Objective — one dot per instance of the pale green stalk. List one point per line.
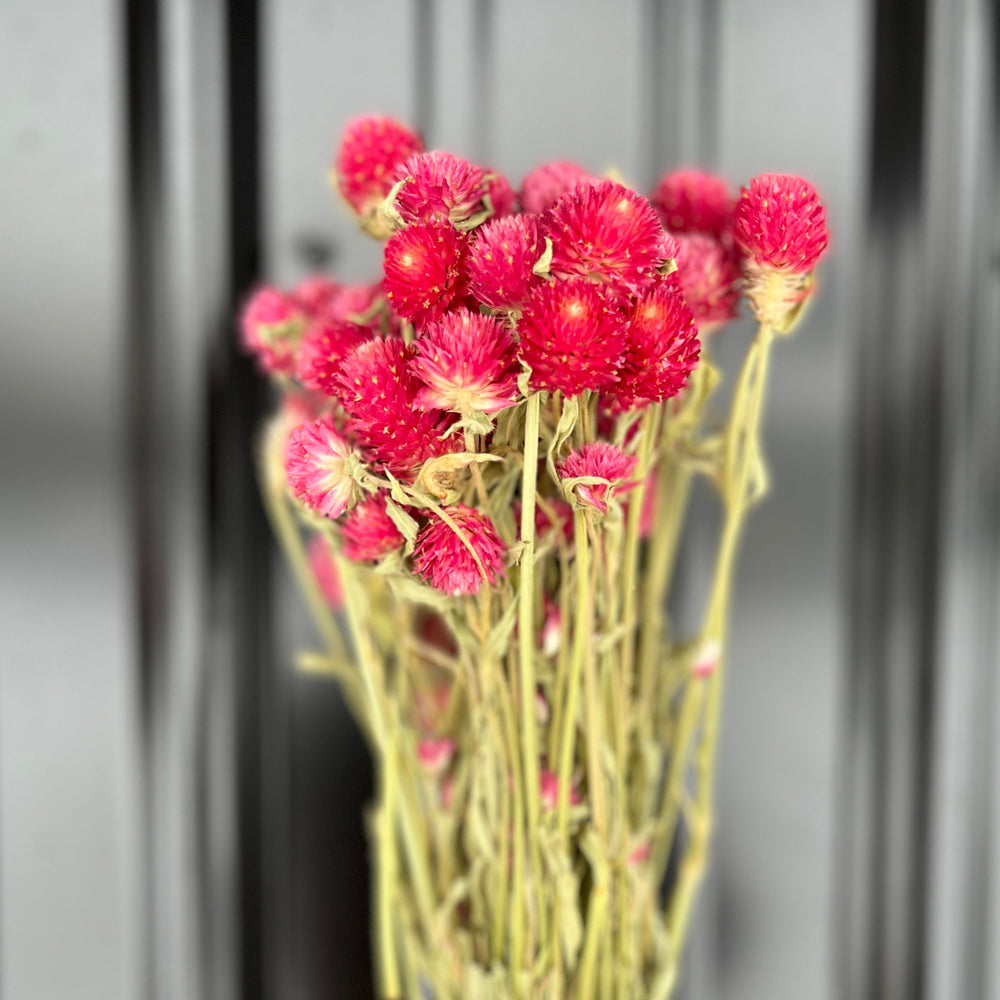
(527, 640)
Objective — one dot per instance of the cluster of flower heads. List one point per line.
(574, 284)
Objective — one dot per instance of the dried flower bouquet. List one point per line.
(490, 451)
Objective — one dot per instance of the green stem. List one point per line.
(386, 882)
(582, 642)
(742, 451)
(527, 639)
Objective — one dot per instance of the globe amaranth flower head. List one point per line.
(271, 325)
(324, 346)
(452, 565)
(780, 224)
(378, 389)
(692, 201)
(600, 460)
(467, 362)
(572, 336)
(320, 465)
(606, 233)
(501, 261)
(440, 187)
(423, 270)
(663, 346)
(546, 184)
(709, 275)
(368, 532)
(371, 149)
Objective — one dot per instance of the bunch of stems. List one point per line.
(484, 886)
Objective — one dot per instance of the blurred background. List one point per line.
(180, 814)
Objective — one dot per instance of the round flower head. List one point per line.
(377, 389)
(780, 224)
(316, 295)
(605, 233)
(601, 460)
(371, 149)
(271, 325)
(502, 260)
(572, 337)
(423, 270)
(326, 343)
(663, 346)
(710, 279)
(320, 465)
(324, 571)
(354, 302)
(546, 184)
(692, 201)
(501, 194)
(368, 531)
(447, 562)
(467, 362)
(440, 187)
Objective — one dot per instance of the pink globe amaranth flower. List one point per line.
(467, 362)
(435, 755)
(501, 261)
(602, 460)
(324, 570)
(444, 561)
(692, 201)
(663, 346)
(326, 343)
(271, 324)
(606, 233)
(440, 187)
(709, 275)
(368, 532)
(377, 390)
(423, 270)
(371, 149)
(549, 788)
(320, 465)
(316, 295)
(550, 637)
(546, 184)
(572, 336)
(501, 194)
(780, 224)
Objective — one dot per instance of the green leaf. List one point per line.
(407, 526)
(567, 422)
(496, 642)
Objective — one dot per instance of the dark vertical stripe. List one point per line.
(239, 541)
(894, 563)
(144, 196)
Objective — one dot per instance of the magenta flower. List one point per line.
(444, 561)
(546, 184)
(572, 336)
(692, 201)
(601, 460)
(320, 466)
(324, 570)
(440, 187)
(368, 531)
(780, 224)
(271, 324)
(467, 362)
(423, 270)
(709, 274)
(371, 149)
(501, 261)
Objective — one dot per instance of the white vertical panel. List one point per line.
(324, 64)
(792, 100)
(67, 839)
